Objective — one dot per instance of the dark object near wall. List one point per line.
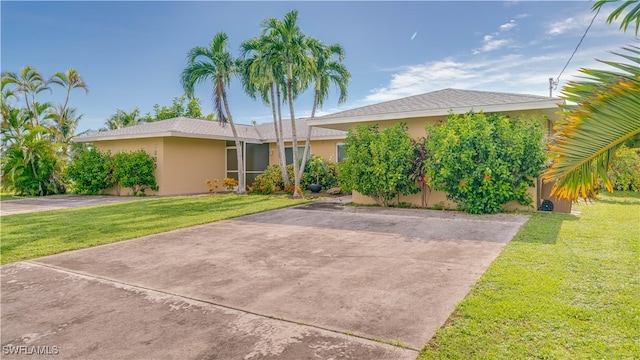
(546, 206)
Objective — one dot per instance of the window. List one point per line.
(288, 154)
(340, 156)
(256, 159)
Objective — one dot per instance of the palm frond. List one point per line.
(606, 115)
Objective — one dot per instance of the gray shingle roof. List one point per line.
(442, 101)
(196, 128)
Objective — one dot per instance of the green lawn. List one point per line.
(27, 236)
(566, 287)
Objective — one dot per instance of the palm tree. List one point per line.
(121, 119)
(260, 76)
(606, 115)
(289, 47)
(215, 63)
(69, 80)
(633, 16)
(65, 121)
(29, 82)
(327, 70)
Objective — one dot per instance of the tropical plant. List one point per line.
(289, 46)
(180, 106)
(28, 82)
(91, 171)
(263, 76)
(216, 64)
(328, 68)
(378, 163)
(121, 119)
(319, 171)
(625, 169)
(30, 166)
(606, 116)
(633, 16)
(65, 121)
(135, 170)
(482, 161)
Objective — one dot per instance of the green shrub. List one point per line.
(268, 182)
(482, 161)
(319, 171)
(378, 163)
(134, 170)
(91, 171)
(625, 169)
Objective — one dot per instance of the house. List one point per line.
(190, 151)
(418, 110)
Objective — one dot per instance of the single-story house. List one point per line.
(188, 152)
(418, 110)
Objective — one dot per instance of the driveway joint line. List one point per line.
(144, 288)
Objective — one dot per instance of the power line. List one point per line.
(555, 83)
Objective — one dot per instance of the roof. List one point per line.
(207, 129)
(439, 103)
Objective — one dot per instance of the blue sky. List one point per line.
(131, 53)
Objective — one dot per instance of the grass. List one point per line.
(27, 236)
(566, 287)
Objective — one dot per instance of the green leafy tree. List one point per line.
(482, 161)
(607, 116)
(216, 64)
(91, 171)
(378, 163)
(135, 170)
(180, 106)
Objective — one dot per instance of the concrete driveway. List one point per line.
(315, 281)
(57, 202)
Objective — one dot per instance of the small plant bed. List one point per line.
(566, 287)
(27, 236)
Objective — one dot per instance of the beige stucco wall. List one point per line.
(325, 148)
(182, 164)
(189, 163)
(416, 128)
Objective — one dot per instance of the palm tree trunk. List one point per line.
(294, 138)
(307, 143)
(283, 169)
(242, 188)
(283, 158)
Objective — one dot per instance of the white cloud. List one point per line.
(516, 73)
(563, 26)
(508, 26)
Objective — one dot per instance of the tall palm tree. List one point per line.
(216, 64)
(261, 77)
(607, 114)
(328, 68)
(29, 82)
(289, 47)
(69, 80)
(65, 121)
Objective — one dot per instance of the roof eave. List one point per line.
(89, 139)
(535, 105)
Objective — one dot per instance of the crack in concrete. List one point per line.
(134, 287)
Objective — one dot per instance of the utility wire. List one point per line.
(555, 83)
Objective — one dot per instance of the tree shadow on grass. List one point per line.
(543, 228)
